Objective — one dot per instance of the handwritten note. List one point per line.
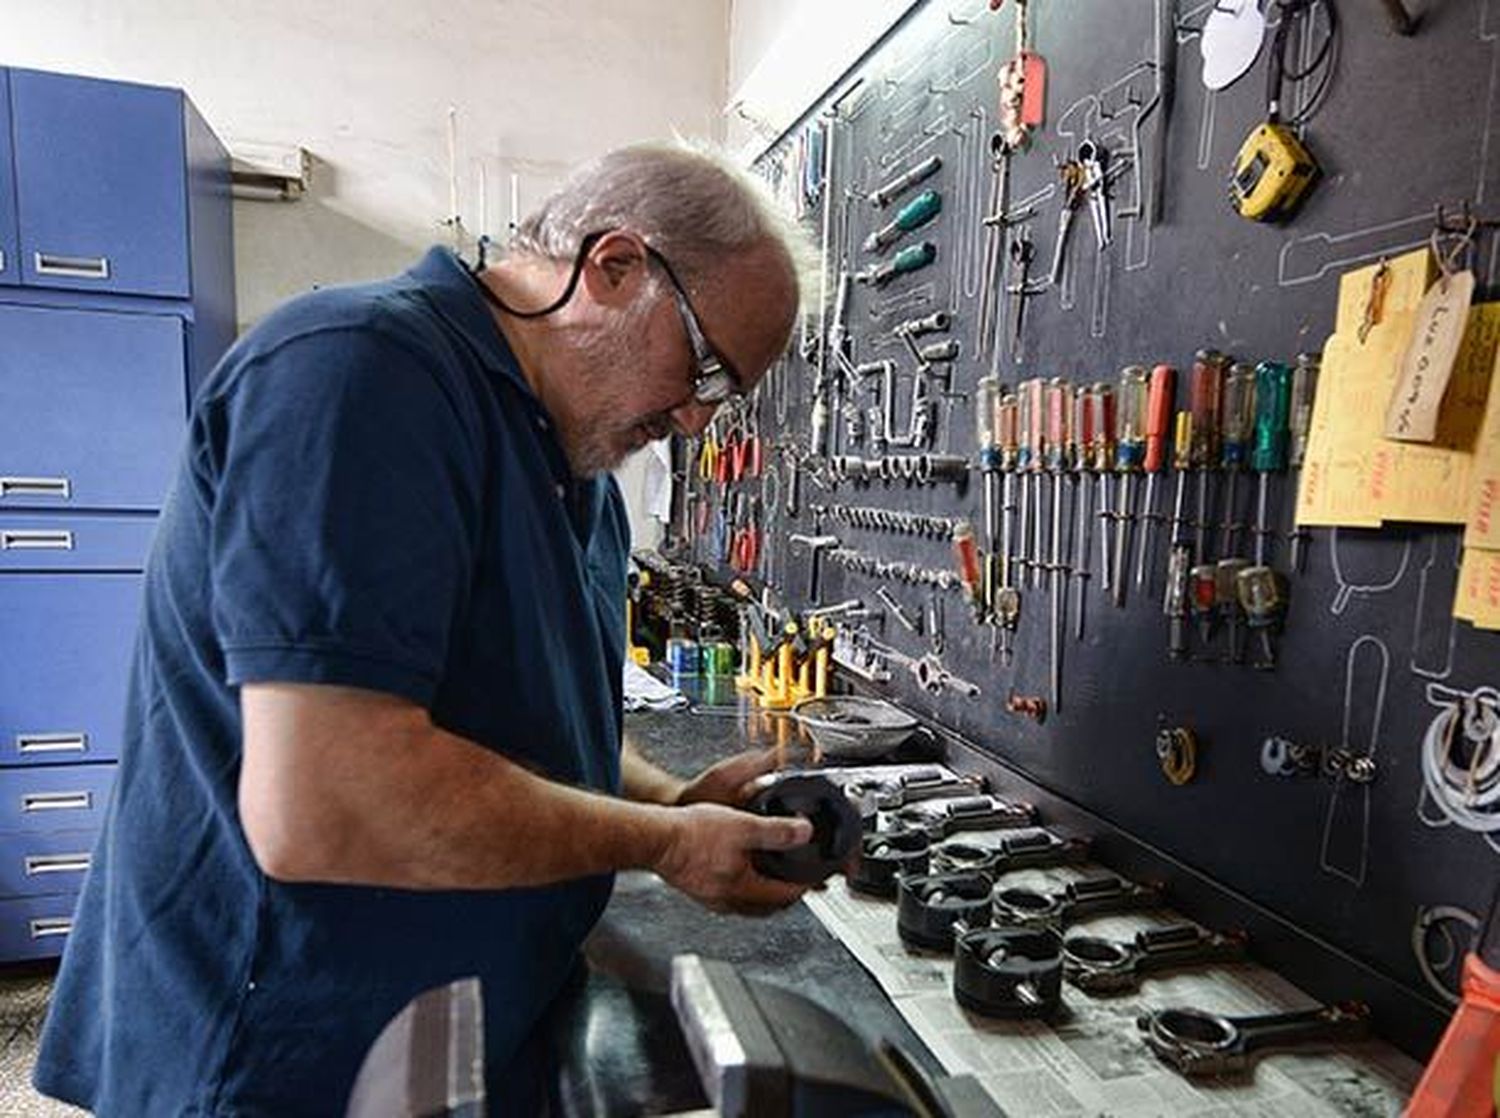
(1428, 361)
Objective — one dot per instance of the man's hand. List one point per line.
(729, 781)
(708, 858)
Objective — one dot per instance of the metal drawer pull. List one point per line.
(43, 926)
(35, 539)
(35, 487)
(56, 863)
(52, 743)
(2, 260)
(57, 801)
(74, 267)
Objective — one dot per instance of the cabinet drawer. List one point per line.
(68, 641)
(67, 798)
(38, 865)
(10, 264)
(42, 542)
(35, 927)
(101, 184)
(93, 405)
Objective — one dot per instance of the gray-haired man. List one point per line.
(373, 740)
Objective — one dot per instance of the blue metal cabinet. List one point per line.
(101, 184)
(57, 798)
(68, 642)
(92, 407)
(54, 862)
(10, 260)
(49, 542)
(35, 927)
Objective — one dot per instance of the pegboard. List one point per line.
(1407, 124)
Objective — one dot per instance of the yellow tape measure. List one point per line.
(1272, 174)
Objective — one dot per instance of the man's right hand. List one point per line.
(708, 858)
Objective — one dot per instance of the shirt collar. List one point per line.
(454, 293)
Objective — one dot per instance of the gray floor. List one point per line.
(23, 1003)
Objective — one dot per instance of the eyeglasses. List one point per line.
(715, 380)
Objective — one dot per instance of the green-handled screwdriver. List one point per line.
(909, 259)
(915, 214)
(1273, 405)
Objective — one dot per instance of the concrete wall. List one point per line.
(539, 86)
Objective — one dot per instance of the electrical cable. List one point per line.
(1295, 13)
(1467, 792)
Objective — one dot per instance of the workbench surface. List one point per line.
(622, 1051)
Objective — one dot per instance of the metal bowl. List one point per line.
(852, 726)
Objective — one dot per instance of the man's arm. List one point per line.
(347, 786)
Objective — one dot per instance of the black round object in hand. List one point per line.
(883, 856)
(1008, 972)
(836, 828)
(927, 907)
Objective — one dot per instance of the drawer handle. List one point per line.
(74, 267)
(44, 926)
(52, 743)
(35, 539)
(36, 487)
(2, 260)
(56, 801)
(37, 864)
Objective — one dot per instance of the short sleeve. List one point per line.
(345, 500)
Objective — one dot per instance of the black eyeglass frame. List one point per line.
(715, 380)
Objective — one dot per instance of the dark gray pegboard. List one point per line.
(1407, 125)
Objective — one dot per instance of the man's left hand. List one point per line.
(729, 781)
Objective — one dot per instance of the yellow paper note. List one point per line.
(1340, 482)
(1430, 482)
(1478, 598)
(1482, 513)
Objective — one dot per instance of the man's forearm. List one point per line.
(380, 796)
(645, 782)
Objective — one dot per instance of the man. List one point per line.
(373, 738)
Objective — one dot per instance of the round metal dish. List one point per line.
(854, 726)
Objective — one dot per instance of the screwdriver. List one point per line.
(1182, 443)
(1175, 602)
(1006, 608)
(1024, 449)
(1130, 451)
(1226, 596)
(1262, 600)
(1102, 455)
(1059, 436)
(1304, 391)
(1078, 451)
(882, 195)
(915, 214)
(1237, 427)
(986, 438)
(966, 559)
(1273, 402)
(1207, 383)
(909, 259)
(1158, 423)
(1204, 588)
(1037, 389)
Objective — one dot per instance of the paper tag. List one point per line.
(1428, 361)
(1033, 89)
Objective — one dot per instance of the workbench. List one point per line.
(621, 1049)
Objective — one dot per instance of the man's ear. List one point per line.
(616, 268)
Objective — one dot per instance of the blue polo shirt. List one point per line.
(372, 497)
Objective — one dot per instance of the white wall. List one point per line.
(365, 85)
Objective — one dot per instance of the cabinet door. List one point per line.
(10, 261)
(92, 407)
(67, 642)
(101, 184)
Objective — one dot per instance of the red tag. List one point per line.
(1033, 88)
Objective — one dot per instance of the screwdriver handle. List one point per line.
(1204, 402)
(1058, 415)
(918, 212)
(1007, 424)
(1182, 441)
(1130, 427)
(1304, 391)
(1036, 418)
(1237, 416)
(1159, 416)
(1102, 445)
(1273, 404)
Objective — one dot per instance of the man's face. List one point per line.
(634, 367)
